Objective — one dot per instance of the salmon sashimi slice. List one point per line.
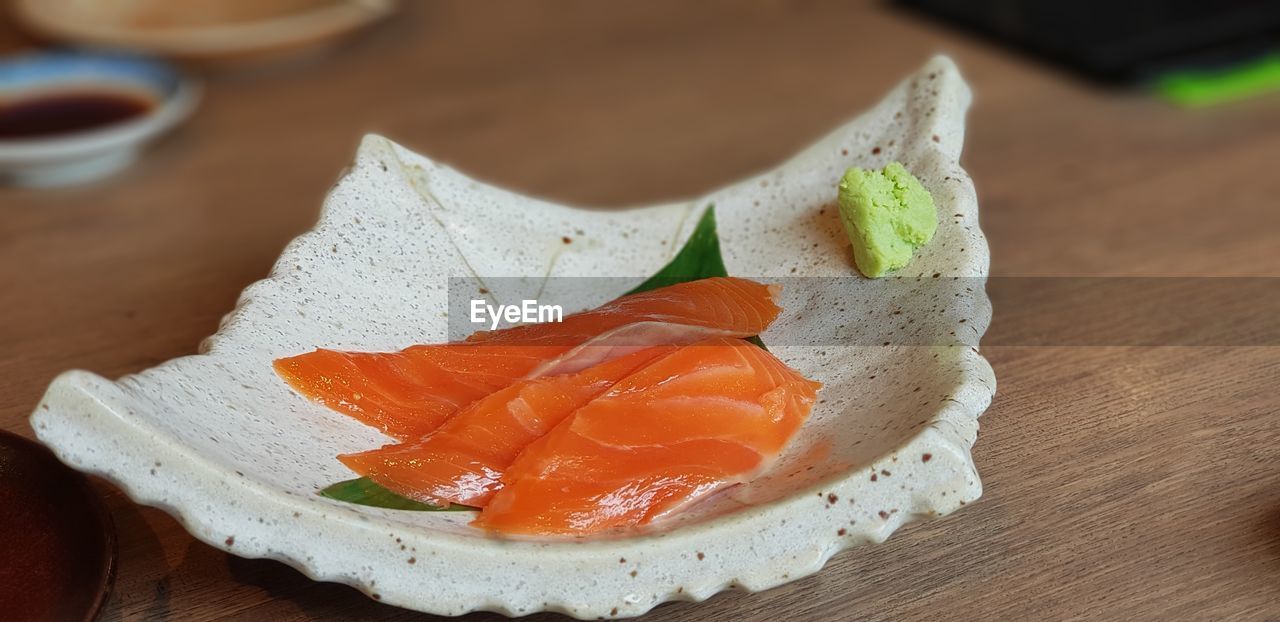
(678, 314)
(707, 416)
(408, 394)
(463, 460)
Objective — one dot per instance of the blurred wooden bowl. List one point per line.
(209, 31)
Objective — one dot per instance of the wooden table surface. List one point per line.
(1121, 482)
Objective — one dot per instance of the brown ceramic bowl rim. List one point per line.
(110, 545)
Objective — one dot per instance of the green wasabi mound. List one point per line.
(888, 215)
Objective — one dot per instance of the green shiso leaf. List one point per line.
(699, 258)
(362, 491)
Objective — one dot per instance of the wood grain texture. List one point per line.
(1121, 483)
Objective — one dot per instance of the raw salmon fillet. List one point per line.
(408, 394)
(709, 415)
(463, 460)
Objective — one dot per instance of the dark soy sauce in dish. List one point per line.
(65, 112)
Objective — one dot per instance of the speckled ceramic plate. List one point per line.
(222, 444)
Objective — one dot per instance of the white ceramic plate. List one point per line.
(222, 444)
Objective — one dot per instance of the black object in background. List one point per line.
(1122, 40)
